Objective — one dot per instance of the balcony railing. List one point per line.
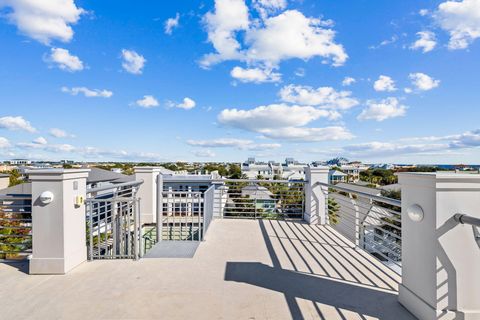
(260, 199)
(371, 222)
(15, 226)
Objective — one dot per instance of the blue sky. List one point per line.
(378, 81)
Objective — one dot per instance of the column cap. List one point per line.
(57, 174)
(440, 180)
(317, 169)
(148, 169)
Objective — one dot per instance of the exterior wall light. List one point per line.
(46, 197)
(415, 213)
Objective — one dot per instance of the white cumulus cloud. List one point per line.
(43, 21)
(384, 83)
(423, 81)
(186, 104)
(348, 81)
(242, 144)
(4, 143)
(59, 133)
(292, 35)
(308, 134)
(287, 35)
(461, 19)
(132, 61)
(382, 110)
(89, 93)
(255, 75)
(205, 153)
(229, 16)
(40, 140)
(426, 41)
(63, 60)
(148, 101)
(272, 116)
(323, 97)
(171, 24)
(16, 123)
(269, 7)
(284, 122)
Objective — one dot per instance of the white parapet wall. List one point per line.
(147, 192)
(316, 195)
(58, 220)
(440, 257)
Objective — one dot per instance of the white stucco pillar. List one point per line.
(147, 192)
(316, 196)
(440, 258)
(59, 230)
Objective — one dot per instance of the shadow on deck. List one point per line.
(316, 264)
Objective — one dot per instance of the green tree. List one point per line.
(333, 209)
(15, 178)
(234, 171)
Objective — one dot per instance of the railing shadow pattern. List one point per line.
(317, 264)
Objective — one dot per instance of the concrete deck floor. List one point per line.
(244, 270)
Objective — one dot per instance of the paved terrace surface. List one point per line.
(244, 270)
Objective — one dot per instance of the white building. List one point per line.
(353, 170)
(20, 162)
(289, 170)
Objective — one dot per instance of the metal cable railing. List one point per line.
(371, 221)
(15, 226)
(257, 199)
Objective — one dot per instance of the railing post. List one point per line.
(440, 258)
(58, 219)
(147, 191)
(316, 196)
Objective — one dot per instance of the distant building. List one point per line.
(265, 201)
(289, 170)
(353, 170)
(335, 176)
(20, 162)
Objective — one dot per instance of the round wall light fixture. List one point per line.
(415, 213)
(46, 197)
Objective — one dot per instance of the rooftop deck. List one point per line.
(245, 269)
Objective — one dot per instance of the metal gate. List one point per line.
(113, 222)
(181, 216)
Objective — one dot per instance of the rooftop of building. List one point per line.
(246, 269)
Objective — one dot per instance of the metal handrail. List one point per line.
(385, 200)
(115, 186)
(259, 181)
(4, 197)
(466, 219)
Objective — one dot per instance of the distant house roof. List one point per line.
(97, 175)
(259, 192)
(337, 173)
(24, 188)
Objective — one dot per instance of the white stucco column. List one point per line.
(440, 258)
(316, 196)
(59, 230)
(147, 192)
